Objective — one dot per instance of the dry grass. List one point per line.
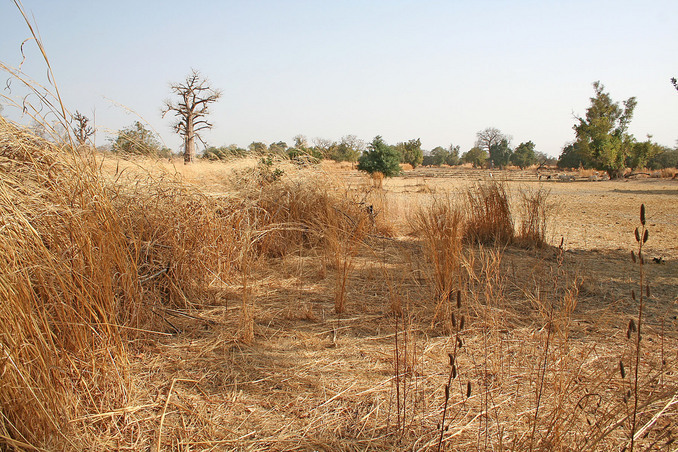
(145, 309)
(489, 214)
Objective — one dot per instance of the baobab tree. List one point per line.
(195, 96)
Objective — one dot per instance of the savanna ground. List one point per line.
(259, 359)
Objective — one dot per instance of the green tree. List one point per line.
(571, 157)
(380, 157)
(664, 158)
(524, 155)
(453, 155)
(278, 148)
(348, 150)
(475, 156)
(257, 147)
(500, 153)
(436, 157)
(642, 152)
(138, 140)
(195, 96)
(601, 137)
(410, 152)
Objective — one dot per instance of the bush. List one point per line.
(380, 157)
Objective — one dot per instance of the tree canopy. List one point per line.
(138, 140)
(524, 155)
(411, 152)
(602, 141)
(380, 157)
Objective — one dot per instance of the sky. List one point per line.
(436, 70)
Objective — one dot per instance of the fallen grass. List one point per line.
(143, 312)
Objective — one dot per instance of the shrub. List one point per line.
(380, 157)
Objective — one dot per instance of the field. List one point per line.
(227, 306)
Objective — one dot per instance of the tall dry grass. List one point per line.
(489, 218)
(441, 227)
(86, 263)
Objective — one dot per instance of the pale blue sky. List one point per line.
(435, 70)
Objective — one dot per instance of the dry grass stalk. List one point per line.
(536, 214)
(441, 227)
(489, 219)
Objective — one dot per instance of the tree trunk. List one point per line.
(189, 143)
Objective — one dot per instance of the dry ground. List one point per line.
(315, 380)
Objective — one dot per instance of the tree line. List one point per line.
(602, 140)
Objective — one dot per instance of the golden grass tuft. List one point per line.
(489, 219)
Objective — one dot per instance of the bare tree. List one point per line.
(81, 128)
(195, 96)
(674, 82)
(490, 137)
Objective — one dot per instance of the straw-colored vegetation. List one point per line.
(262, 305)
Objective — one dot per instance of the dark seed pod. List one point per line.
(632, 326)
(637, 235)
(447, 392)
(622, 371)
(646, 235)
(461, 323)
(628, 333)
(633, 257)
(633, 294)
(459, 299)
(454, 371)
(451, 359)
(647, 290)
(460, 343)
(468, 389)
(642, 214)
(454, 321)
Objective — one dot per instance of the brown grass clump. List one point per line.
(87, 264)
(489, 219)
(536, 214)
(441, 227)
(68, 280)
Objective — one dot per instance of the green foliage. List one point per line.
(524, 155)
(641, 153)
(410, 152)
(138, 140)
(439, 156)
(304, 155)
(257, 148)
(663, 158)
(500, 153)
(475, 156)
(571, 157)
(348, 150)
(223, 152)
(267, 171)
(380, 157)
(278, 148)
(602, 141)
